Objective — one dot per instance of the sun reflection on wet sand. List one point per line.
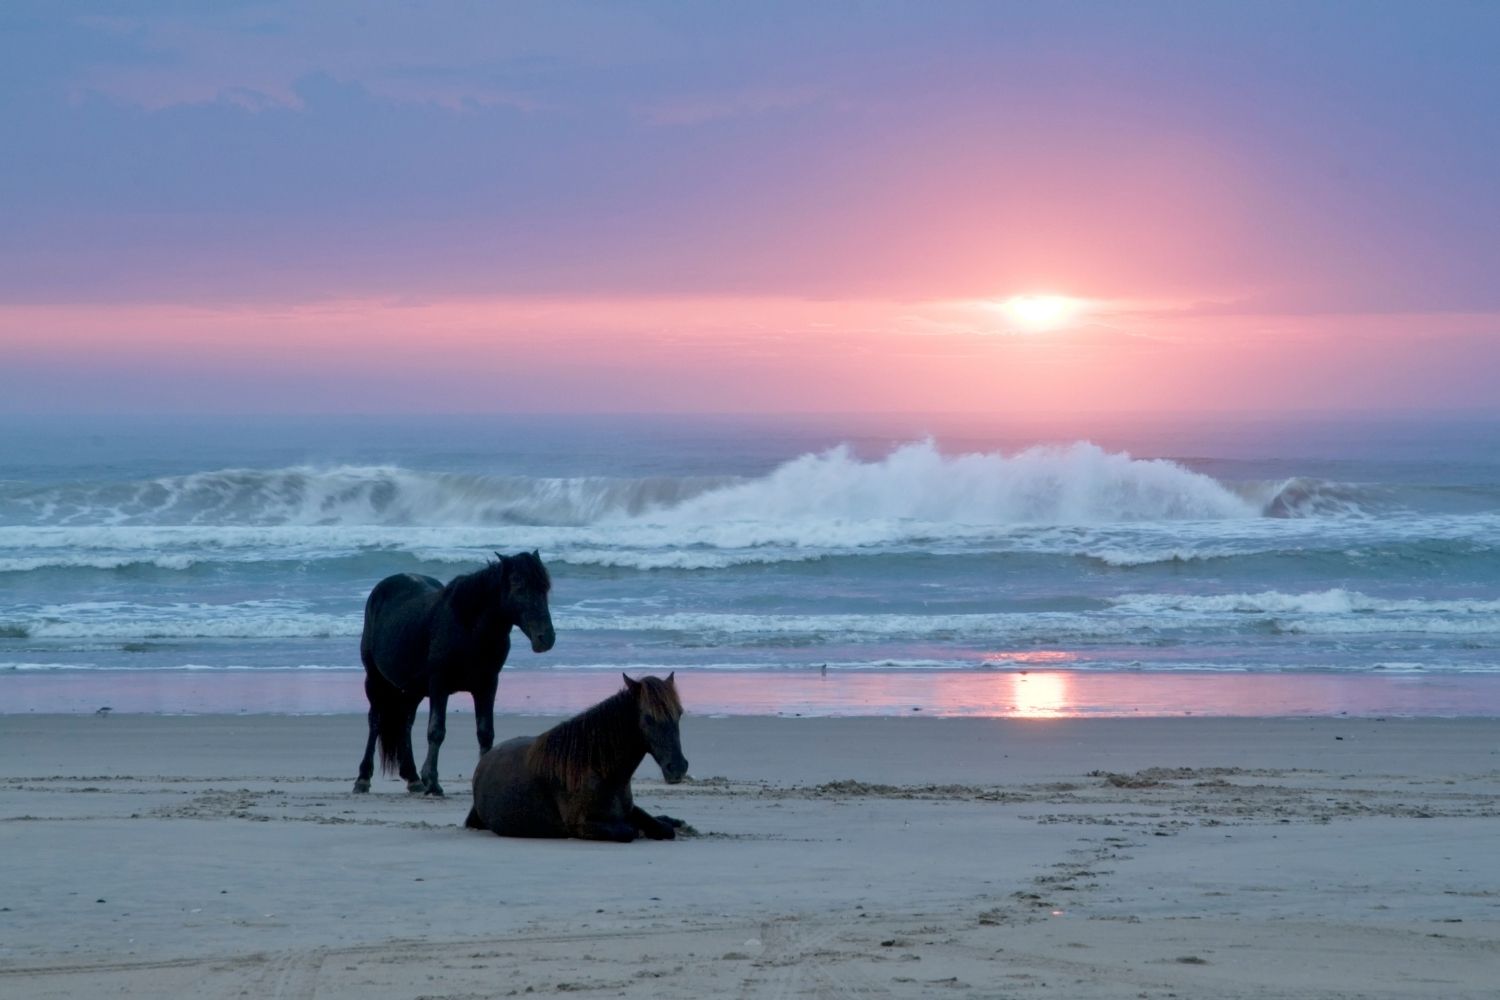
(997, 693)
(1032, 695)
(1040, 696)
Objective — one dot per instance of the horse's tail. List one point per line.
(391, 718)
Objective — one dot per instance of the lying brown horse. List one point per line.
(574, 779)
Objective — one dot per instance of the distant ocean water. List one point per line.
(908, 544)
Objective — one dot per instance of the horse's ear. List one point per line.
(536, 554)
(672, 680)
(633, 686)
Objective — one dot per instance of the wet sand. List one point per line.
(997, 693)
(226, 856)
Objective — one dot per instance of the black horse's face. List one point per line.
(534, 619)
(529, 585)
(659, 709)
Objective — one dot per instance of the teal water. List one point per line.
(902, 544)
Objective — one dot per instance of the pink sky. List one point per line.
(796, 207)
(741, 354)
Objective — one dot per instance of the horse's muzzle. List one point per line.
(543, 642)
(673, 775)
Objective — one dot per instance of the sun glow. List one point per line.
(1040, 313)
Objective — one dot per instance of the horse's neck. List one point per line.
(625, 766)
(490, 620)
(630, 748)
(499, 618)
(497, 623)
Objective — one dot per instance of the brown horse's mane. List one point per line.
(597, 738)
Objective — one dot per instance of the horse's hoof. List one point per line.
(361, 785)
(435, 790)
(416, 786)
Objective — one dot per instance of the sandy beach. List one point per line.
(217, 856)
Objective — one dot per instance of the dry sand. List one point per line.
(225, 856)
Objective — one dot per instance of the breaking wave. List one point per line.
(1078, 484)
(345, 495)
(1303, 496)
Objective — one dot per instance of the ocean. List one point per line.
(891, 545)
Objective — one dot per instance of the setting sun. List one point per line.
(1039, 313)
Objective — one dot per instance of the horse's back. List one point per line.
(399, 589)
(397, 600)
(396, 614)
(511, 800)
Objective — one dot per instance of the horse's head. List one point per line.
(658, 709)
(527, 584)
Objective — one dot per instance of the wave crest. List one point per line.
(1303, 496)
(1078, 484)
(1075, 484)
(348, 495)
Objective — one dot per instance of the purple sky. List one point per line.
(1261, 204)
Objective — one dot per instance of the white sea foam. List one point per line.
(1335, 601)
(739, 628)
(1414, 624)
(119, 620)
(670, 542)
(1333, 612)
(27, 667)
(1129, 619)
(1145, 555)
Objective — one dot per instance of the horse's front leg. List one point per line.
(655, 827)
(589, 815)
(606, 829)
(437, 728)
(484, 717)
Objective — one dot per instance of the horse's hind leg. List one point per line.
(437, 729)
(408, 762)
(367, 765)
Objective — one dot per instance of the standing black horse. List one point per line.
(425, 640)
(574, 779)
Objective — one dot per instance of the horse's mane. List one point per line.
(529, 567)
(471, 590)
(596, 738)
